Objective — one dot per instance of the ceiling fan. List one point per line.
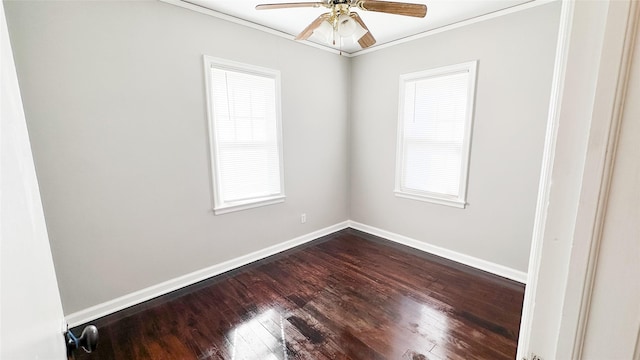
(343, 21)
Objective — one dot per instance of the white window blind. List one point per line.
(434, 134)
(245, 135)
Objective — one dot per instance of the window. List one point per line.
(434, 133)
(245, 135)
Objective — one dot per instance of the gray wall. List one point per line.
(114, 97)
(516, 54)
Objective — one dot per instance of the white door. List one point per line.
(31, 318)
(613, 324)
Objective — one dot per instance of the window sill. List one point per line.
(432, 199)
(239, 206)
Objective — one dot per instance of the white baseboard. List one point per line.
(484, 265)
(140, 296)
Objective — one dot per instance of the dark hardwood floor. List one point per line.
(346, 296)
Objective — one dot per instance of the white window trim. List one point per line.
(220, 207)
(459, 201)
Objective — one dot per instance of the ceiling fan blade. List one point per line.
(304, 35)
(289, 5)
(399, 8)
(367, 39)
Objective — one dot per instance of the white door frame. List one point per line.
(599, 167)
(618, 32)
(544, 187)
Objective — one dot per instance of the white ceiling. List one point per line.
(384, 27)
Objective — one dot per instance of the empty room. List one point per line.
(338, 179)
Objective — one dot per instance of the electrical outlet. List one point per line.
(303, 218)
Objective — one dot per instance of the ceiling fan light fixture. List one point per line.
(324, 32)
(346, 25)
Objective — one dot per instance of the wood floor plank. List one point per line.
(348, 296)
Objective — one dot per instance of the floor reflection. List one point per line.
(433, 321)
(429, 321)
(261, 337)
